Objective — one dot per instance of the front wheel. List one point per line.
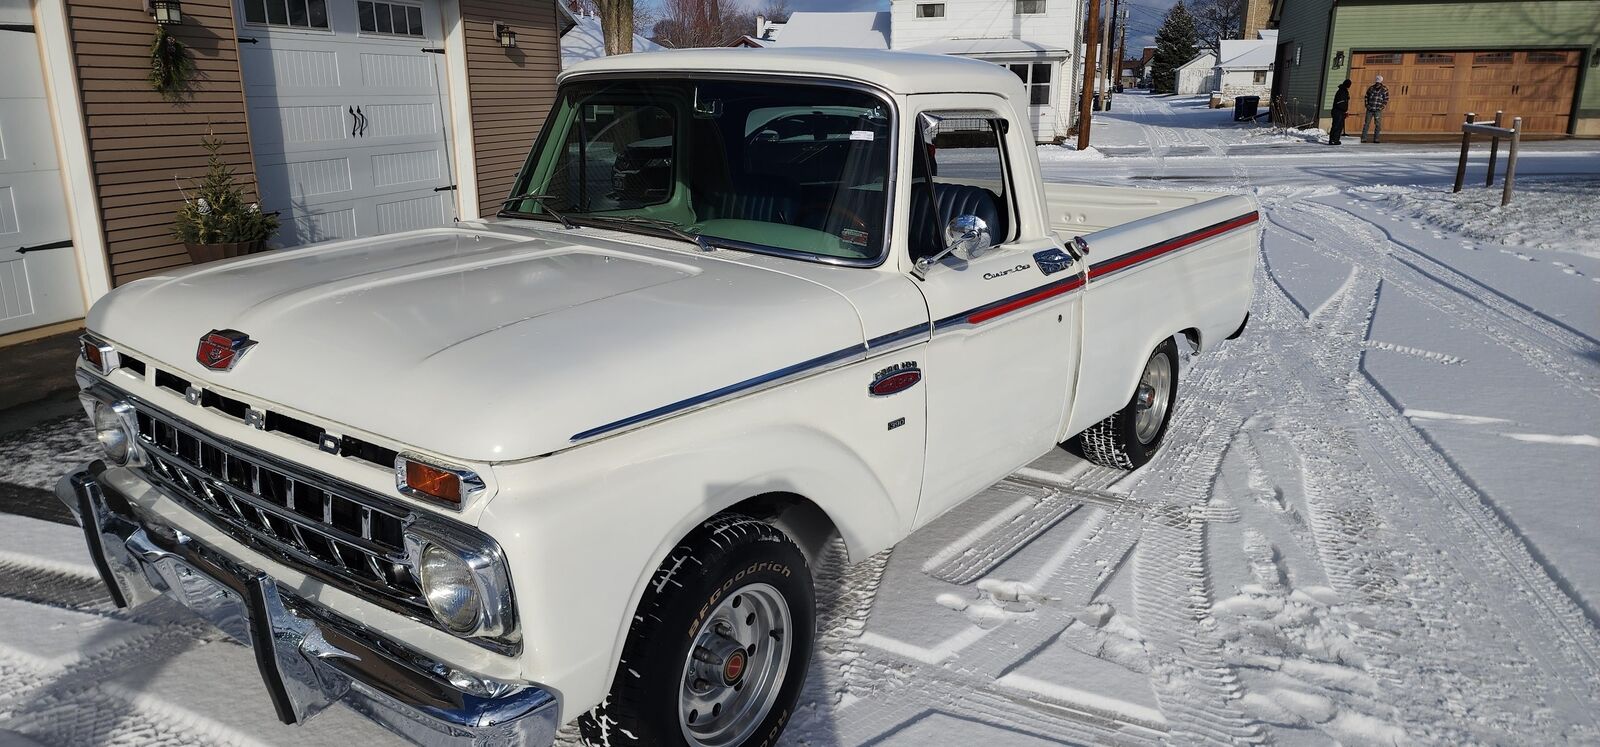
(1131, 436)
(718, 649)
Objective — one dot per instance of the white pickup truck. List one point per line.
(572, 463)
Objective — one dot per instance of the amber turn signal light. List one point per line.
(433, 482)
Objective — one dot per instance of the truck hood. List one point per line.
(483, 346)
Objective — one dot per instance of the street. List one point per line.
(1371, 522)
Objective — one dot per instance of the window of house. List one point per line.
(1547, 57)
(930, 10)
(1030, 7)
(389, 18)
(1036, 78)
(1492, 58)
(1260, 78)
(1435, 58)
(1383, 59)
(305, 14)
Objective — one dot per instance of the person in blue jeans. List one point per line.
(1377, 97)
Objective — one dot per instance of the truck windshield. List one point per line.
(783, 168)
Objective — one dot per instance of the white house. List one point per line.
(864, 30)
(1244, 67)
(585, 38)
(1034, 38)
(1197, 75)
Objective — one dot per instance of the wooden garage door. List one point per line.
(1431, 92)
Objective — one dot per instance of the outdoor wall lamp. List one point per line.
(166, 12)
(508, 38)
(1338, 59)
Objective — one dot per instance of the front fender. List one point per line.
(584, 530)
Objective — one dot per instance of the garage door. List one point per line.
(1431, 91)
(347, 116)
(38, 271)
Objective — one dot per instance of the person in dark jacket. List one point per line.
(1341, 106)
(1377, 97)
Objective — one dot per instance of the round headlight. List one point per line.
(451, 589)
(111, 430)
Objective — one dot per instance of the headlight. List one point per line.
(451, 590)
(114, 427)
(462, 575)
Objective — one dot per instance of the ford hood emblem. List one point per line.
(220, 349)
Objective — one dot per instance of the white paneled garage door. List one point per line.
(38, 270)
(347, 115)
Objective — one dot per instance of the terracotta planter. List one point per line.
(202, 253)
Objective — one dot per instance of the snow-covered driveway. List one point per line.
(1372, 522)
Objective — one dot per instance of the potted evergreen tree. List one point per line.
(215, 222)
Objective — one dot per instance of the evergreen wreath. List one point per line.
(171, 65)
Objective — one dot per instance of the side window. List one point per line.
(389, 18)
(965, 154)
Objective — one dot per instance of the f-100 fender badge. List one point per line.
(221, 349)
(1052, 261)
(895, 379)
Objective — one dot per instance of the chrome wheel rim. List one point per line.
(1153, 397)
(735, 667)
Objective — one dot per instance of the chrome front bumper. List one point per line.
(309, 657)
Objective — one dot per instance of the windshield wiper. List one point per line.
(539, 198)
(665, 225)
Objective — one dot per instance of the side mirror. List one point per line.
(968, 234)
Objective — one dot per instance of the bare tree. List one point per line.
(710, 23)
(1215, 20)
(616, 20)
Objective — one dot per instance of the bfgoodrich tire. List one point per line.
(718, 649)
(1131, 436)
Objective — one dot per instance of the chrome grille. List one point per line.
(329, 530)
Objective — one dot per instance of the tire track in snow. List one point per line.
(1354, 499)
(1550, 348)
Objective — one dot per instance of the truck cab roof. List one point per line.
(897, 72)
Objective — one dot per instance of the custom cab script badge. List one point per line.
(1052, 261)
(220, 349)
(895, 379)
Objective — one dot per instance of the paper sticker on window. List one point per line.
(861, 135)
(852, 236)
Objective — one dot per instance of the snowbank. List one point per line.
(1542, 214)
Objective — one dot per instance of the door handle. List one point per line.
(363, 118)
(355, 122)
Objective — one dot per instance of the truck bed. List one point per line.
(1078, 210)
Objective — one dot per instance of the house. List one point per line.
(1033, 38)
(864, 30)
(1197, 75)
(1131, 72)
(1244, 68)
(767, 30)
(349, 118)
(583, 38)
(1441, 59)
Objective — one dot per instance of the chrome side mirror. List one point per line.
(967, 234)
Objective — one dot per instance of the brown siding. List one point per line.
(510, 90)
(138, 141)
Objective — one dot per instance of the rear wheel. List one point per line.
(718, 650)
(1131, 436)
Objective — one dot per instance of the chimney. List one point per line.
(1257, 14)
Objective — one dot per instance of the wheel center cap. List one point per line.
(733, 668)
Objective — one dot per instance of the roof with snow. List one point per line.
(1007, 45)
(1267, 34)
(586, 39)
(1247, 54)
(868, 30)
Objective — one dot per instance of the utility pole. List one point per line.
(1107, 49)
(1089, 57)
(1122, 45)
